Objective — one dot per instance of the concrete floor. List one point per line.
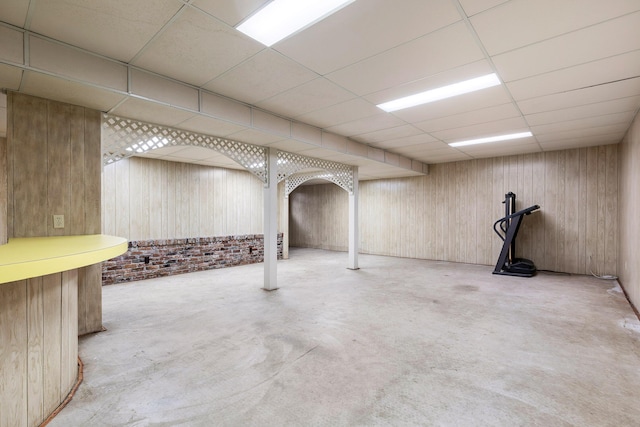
(399, 342)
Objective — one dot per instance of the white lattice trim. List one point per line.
(296, 180)
(338, 173)
(122, 138)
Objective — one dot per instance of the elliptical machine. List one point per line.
(509, 225)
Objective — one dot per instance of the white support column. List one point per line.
(353, 223)
(285, 227)
(271, 223)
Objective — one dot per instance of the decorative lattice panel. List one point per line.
(296, 180)
(122, 138)
(338, 173)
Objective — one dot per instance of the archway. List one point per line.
(123, 138)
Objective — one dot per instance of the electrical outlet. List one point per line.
(58, 221)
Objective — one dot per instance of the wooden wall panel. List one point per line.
(4, 198)
(28, 166)
(52, 293)
(54, 153)
(38, 355)
(448, 214)
(13, 354)
(328, 205)
(92, 172)
(35, 351)
(629, 205)
(147, 199)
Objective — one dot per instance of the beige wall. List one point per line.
(629, 214)
(154, 199)
(54, 164)
(448, 214)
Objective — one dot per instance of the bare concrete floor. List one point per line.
(399, 342)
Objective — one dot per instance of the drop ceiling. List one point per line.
(570, 71)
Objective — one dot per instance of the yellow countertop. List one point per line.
(28, 257)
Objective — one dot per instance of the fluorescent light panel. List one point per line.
(443, 92)
(491, 139)
(281, 18)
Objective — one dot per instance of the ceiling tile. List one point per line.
(10, 77)
(151, 112)
(264, 75)
(435, 148)
(454, 156)
(515, 124)
(14, 12)
(581, 142)
(585, 123)
(210, 126)
(12, 46)
(610, 38)
(292, 146)
(415, 141)
(196, 48)
(195, 153)
(368, 124)
(504, 150)
(117, 28)
(415, 60)
(584, 96)
(469, 118)
(604, 71)
(363, 29)
(311, 96)
(225, 108)
(231, 12)
(152, 86)
(64, 90)
(519, 23)
(343, 112)
(253, 136)
(387, 134)
(64, 60)
(161, 152)
(453, 75)
(630, 103)
(583, 133)
(472, 7)
(460, 104)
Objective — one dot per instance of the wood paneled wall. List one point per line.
(38, 347)
(629, 254)
(3, 191)
(146, 199)
(54, 164)
(319, 217)
(448, 215)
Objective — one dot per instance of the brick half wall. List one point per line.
(147, 259)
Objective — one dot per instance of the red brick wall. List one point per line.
(146, 259)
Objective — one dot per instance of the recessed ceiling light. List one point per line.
(443, 92)
(491, 139)
(281, 18)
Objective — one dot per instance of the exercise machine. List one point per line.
(507, 229)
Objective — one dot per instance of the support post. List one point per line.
(353, 223)
(271, 222)
(284, 214)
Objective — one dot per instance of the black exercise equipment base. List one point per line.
(519, 267)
